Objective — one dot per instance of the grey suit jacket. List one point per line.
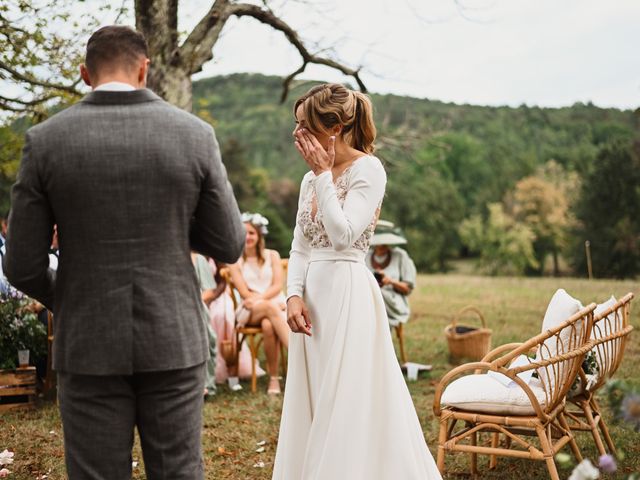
(133, 184)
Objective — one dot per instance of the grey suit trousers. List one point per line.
(99, 413)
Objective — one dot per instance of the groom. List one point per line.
(133, 184)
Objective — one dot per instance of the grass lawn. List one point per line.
(235, 422)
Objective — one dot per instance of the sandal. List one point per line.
(274, 386)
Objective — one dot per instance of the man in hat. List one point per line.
(394, 270)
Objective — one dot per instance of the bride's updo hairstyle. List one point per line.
(331, 104)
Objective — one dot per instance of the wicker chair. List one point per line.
(542, 413)
(610, 331)
(253, 335)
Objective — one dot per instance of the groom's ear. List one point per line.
(84, 73)
(143, 71)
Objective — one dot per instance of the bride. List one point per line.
(347, 412)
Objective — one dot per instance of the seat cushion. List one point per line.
(483, 393)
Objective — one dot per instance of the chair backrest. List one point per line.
(610, 330)
(225, 274)
(556, 368)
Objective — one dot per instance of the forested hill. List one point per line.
(456, 172)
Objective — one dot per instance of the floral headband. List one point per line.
(257, 220)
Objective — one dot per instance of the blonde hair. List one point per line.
(331, 104)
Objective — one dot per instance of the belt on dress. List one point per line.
(329, 254)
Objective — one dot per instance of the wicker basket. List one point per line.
(468, 342)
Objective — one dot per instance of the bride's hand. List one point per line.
(318, 159)
(298, 316)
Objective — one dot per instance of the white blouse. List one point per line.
(347, 211)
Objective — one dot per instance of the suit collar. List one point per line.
(105, 97)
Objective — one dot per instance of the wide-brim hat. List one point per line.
(386, 233)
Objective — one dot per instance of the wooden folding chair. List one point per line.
(253, 335)
(611, 329)
(400, 334)
(544, 418)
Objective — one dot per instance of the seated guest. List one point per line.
(209, 291)
(222, 318)
(259, 277)
(394, 270)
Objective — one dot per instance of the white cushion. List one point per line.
(483, 393)
(561, 307)
(519, 361)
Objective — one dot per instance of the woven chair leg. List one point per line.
(572, 440)
(603, 427)
(593, 425)
(493, 459)
(548, 453)
(442, 438)
(474, 456)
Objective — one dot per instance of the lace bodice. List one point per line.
(335, 216)
(312, 226)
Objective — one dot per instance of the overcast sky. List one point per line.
(489, 52)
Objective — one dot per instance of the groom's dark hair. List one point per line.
(114, 45)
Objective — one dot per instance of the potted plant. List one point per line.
(20, 330)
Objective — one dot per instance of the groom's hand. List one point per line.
(298, 316)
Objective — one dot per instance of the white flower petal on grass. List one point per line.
(6, 457)
(134, 464)
(259, 465)
(261, 443)
(260, 450)
(585, 471)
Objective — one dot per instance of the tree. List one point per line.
(38, 62)
(173, 62)
(505, 246)
(543, 208)
(609, 213)
(428, 207)
(44, 63)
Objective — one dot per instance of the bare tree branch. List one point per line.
(267, 17)
(287, 81)
(29, 103)
(197, 49)
(34, 81)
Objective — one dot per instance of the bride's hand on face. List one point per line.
(298, 316)
(318, 159)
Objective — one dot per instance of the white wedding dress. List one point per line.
(347, 412)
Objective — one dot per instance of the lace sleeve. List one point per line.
(300, 252)
(345, 224)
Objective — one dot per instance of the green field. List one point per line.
(235, 423)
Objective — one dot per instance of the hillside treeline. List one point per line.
(518, 190)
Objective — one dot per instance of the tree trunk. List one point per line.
(173, 84)
(168, 77)
(556, 267)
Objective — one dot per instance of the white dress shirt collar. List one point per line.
(115, 87)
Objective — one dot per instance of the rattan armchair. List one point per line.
(559, 355)
(611, 329)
